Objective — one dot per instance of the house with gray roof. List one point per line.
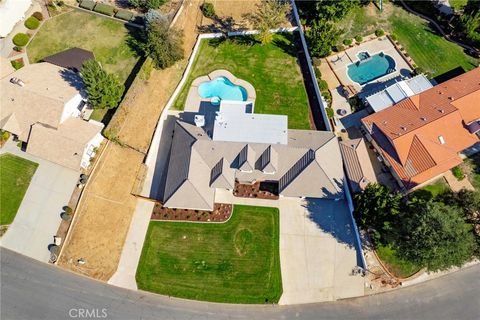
(303, 163)
(42, 105)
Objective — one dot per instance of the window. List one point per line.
(441, 139)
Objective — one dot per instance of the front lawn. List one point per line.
(430, 51)
(15, 176)
(236, 262)
(106, 38)
(272, 69)
(397, 266)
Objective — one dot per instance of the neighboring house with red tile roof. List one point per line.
(421, 137)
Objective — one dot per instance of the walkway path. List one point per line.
(38, 216)
(457, 185)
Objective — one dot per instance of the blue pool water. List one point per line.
(371, 68)
(221, 88)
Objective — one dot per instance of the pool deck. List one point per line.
(339, 62)
(194, 100)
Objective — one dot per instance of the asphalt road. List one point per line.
(34, 290)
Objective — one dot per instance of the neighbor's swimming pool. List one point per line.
(370, 68)
(221, 88)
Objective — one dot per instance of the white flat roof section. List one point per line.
(12, 11)
(234, 123)
(398, 91)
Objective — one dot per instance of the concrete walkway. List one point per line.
(132, 249)
(457, 185)
(38, 216)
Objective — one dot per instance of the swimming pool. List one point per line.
(370, 68)
(221, 88)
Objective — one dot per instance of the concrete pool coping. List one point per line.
(193, 101)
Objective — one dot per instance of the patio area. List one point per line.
(339, 62)
(194, 100)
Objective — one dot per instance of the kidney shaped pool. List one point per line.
(221, 88)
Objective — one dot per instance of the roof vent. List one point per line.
(385, 122)
(451, 98)
(403, 128)
(423, 119)
(17, 81)
(441, 110)
(199, 120)
(441, 139)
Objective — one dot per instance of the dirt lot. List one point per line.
(105, 213)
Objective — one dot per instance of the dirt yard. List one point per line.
(231, 13)
(106, 210)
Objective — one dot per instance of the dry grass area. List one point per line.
(107, 207)
(230, 15)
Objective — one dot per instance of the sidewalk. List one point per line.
(457, 185)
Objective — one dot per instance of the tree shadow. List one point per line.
(286, 43)
(222, 24)
(72, 78)
(135, 38)
(333, 218)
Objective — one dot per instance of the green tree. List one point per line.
(270, 14)
(162, 44)
(467, 200)
(103, 89)
(334, 10)
(146, 4)
(321, 37)
(436, 236)
(377, 207)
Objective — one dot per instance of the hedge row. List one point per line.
(124, 15)
(106, 10)
(87, 4)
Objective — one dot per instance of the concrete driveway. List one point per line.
(38, 217)
(317, 251)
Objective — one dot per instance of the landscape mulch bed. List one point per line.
(258, 190)
(221, 212)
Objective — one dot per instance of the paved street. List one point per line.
(38, 217)
(33, 290)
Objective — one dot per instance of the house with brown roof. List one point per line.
(244, 147)
(357, 163)
(422, 136)
(42, 105)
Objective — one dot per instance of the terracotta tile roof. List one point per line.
(424, 133)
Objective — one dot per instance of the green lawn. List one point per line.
(399, 267)
(432, 190)
(15, 176)
(272, 69)
(429, 51)
(106, 38)
(236, 262)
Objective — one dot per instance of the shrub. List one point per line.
(339, 47)
(358, 38)
(87, 4)
(18, 49)
(379, 32)
(146, 4)
(330, 112)
(68, 210)
(38, 15)
(323, 85)
(208, 10)
(318, 73)
(17, 64)
(347, 42)
(393, 37)
(458, 173)
(32, 23)
(316, 61)
(104, 9)
(124, 15)
(20, 39)
(419, 70)
(4, 135)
